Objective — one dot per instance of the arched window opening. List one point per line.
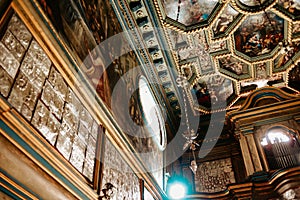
(152, 113)
(281, 148)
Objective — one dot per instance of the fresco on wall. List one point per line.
(83, 25)
(225, 19)
(212, 89)
(234, 65)
(190, 12)
(259, 34)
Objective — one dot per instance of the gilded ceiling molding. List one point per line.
(252, 10)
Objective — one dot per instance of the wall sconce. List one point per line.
(107, 192)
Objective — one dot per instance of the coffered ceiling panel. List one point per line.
(227, 49)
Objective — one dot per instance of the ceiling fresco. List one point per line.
(244, 45)
(233, 65)
(252, 2)
(189, 12)
(259, 34)
(226, 49)
(225, 20)
(290, 7)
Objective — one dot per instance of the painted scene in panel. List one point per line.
(225, 19)
(233, 65)
(214, 89)
(189, 12)
(286, 54)
(259, 34)
(291, 6)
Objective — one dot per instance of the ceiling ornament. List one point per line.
(190, 135)
(241, 47)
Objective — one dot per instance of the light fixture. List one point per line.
(177, 187)
(177, 191)
(189, 134)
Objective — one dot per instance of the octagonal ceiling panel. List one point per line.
(248, 43)
(259, 34)
(189, 12)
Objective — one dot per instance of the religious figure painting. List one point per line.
(261, 70)
(212, 90)
(259, 34)
(84, 25)
(296, 30)
(286, 54)
(189, 71)
(291, 6)
(233, 65)
(225, 20)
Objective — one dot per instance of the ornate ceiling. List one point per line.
(225, 48)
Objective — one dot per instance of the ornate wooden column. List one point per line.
(249, 150)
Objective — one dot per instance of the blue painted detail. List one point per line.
(10, 194)
(266, 94)
(14, 188)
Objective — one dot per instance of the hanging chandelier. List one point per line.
(190, 135)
